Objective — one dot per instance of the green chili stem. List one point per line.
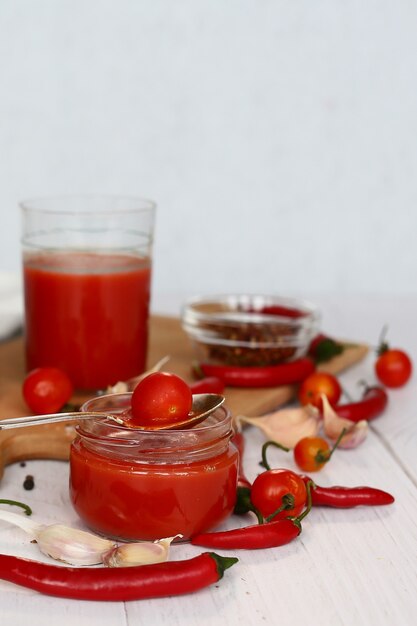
(382, 342)
(266, 445)
(309, 486)
(259, 515)
(244, 504)
(324, 457)
(25, 507)
(287, 502)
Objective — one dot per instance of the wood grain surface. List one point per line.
(51, 441)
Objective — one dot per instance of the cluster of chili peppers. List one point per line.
(214, 378)
(272, 532)
(373, 402)
(335, 496)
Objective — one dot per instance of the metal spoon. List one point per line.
(204, 404)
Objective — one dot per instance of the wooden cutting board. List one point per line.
(52, 441)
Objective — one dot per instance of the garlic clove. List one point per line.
(355, 436)
(23, 522)
(140, 553)
(287, 426)
(72, 546)
(356, 432)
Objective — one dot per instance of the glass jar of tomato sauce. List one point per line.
(135, 484)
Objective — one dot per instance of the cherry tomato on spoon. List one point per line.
(160, 399)
(317, 383)
(46, 390)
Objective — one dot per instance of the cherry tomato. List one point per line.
(271, 486)
(393, 367)
(46, 390)
(311, 453)
(160, 399)
(317, 383)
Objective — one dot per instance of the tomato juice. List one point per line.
(132, 500)
(87, 313)
(133, 483)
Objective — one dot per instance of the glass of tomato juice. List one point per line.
(87, 285)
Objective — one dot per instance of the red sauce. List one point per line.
(132, 500)
(87, 314)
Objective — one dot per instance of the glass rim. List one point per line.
(40, 204)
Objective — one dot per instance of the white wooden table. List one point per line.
(348, 567)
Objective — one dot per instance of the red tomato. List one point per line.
(46, 390)
(393, 368)
(270, 487)
(317, 383)
(160, 399)
(311, 453)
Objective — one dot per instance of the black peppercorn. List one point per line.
(29, 483)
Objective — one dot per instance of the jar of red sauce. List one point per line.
(134, 484)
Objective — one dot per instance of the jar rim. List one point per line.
(113, 435)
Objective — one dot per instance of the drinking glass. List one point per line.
(87, 264)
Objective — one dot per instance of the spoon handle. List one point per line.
(35, 420)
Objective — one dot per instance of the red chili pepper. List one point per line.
(348, 497)
(113, 584)
(209, 384)
(281, 311)
(268, 376)
(259, 536)
(372, 404)
(239, 443)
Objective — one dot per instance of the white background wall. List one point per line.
(278, 137)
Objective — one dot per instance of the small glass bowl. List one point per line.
(249, 330)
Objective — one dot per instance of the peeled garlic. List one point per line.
(141, 553)
(287, 426)
(70, 545)
(356, 432)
